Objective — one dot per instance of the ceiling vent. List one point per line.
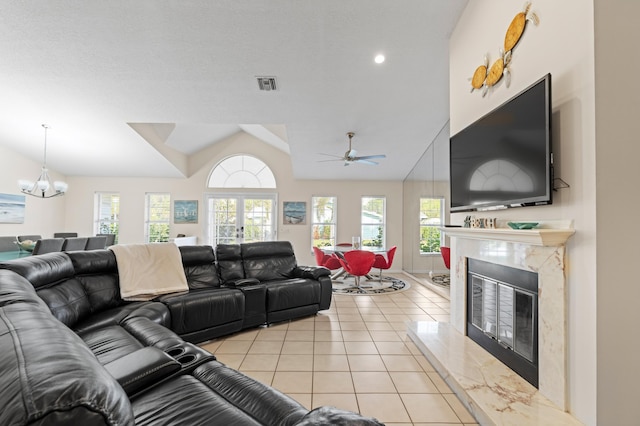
(267, 83)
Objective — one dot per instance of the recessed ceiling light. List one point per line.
(379, 59)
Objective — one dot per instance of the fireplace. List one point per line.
(502, 315)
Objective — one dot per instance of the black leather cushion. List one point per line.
(52, 275)
(229, 258)
(110, 343)
(336, 417)
(266, 261)
(215, 395)
(42, 270)
(16, 289)
(204, 308)
(292, 293)
(50, 377)
(142, 369)
(199, 266)
(67, 300)
(151, 334)
(97, 271)
(263, 403)
(155, 311)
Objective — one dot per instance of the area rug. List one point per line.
(443, 280)
(369, 287)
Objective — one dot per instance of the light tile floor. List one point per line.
(355, 356)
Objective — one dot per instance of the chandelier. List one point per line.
(40, 188)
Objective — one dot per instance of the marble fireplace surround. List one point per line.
(540, 250)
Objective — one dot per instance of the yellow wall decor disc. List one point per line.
(495, 73)
(478, 77)
(514, 32)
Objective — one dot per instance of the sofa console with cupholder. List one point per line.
(74, 352)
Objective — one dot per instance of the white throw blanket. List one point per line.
(149, 270)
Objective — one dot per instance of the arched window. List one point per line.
(241, 171)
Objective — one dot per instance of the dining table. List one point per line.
(15, 254)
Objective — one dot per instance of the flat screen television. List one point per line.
(504, 159)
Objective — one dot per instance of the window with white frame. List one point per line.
(431, 219)
(373, 222)
(106, 213)
(157, 217)
(323, 221)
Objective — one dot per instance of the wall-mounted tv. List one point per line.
(504, 159)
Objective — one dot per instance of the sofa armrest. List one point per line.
(241, 282)
(142, 368)
(311, 272)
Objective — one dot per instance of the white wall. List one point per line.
(132, 191)
(617, 115)
(42, 216)
(561, 45)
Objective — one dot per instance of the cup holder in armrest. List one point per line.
(187, 359)
(176, 351)
(189, 355)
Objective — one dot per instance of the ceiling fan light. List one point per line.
(379, 59)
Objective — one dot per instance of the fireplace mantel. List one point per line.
(536, 237)
(481, 384)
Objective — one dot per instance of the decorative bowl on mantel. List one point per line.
(522, 225)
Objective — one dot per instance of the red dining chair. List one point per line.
(446, 256)
(357, 263)
(328, 261)
(384, 261)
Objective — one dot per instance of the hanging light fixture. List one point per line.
(42, 185)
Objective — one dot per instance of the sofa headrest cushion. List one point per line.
(42, 270)
(197, 255)
(93, 262)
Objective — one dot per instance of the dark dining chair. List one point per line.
(357, 263)
(8, 244)
(98, 242)
(48, 245)
(384, 261)
(74, 243)
(111, 239)
(65, 234)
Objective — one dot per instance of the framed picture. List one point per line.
(12, 208)
(294, 212)
(185, 211)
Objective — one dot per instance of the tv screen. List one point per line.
(504, 159)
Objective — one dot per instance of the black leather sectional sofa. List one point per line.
(73, 352)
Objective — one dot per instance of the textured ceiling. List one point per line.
(133, 88)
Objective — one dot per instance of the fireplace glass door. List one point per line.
(504, 313)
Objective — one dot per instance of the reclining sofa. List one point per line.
(73, 352)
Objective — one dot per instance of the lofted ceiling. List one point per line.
(134, 88)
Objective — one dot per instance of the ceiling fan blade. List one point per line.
(333, 159)
(330, 155)
(360, 160)
(352, 153)
(369, 157)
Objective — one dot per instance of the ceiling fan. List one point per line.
(351, 155)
